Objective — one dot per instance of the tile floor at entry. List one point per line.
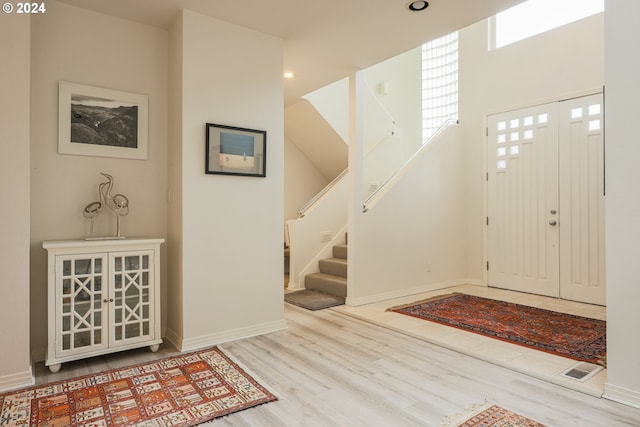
(541, 365)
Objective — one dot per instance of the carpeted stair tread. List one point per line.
(340, 251)
(334, 266)
(327, 283)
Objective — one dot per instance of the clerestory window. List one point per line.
(538, 16)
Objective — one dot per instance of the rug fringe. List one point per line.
(460, 417)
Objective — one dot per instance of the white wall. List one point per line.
(231, 260)
(622, 202)
(302, 180)
(412, 240)
(403, 76)
(308, 129)
(332, 102)
(15, 365)
(75, 45)
(551, 66)
(175, 302)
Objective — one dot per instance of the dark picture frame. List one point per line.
(233, 150)
(94, 121)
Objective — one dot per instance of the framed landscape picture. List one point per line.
(235, 151)
(93, 121)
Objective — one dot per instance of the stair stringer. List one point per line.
(296, 276)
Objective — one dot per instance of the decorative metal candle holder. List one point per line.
(118, 203)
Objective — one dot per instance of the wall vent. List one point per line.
(326, 236)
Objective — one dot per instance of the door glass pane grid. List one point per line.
(80, 298)
(523, 132)
(594, 119)
(518, 130)
(590, 116)
(131, 305)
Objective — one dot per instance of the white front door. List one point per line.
(545, 200)
(581, 222)
(523, 193)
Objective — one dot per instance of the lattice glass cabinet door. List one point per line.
(103, 296)
(132, 307)
(81, 290)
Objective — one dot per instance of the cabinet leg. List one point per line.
(55, 368)
(153, 348)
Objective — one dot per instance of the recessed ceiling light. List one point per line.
(289, 75)
(417, 5)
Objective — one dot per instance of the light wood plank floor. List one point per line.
(331, 369)
(532, 362)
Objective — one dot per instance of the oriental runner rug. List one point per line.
(574, 337)
(489, 415)
(183, 390)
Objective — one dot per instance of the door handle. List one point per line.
(553, 222)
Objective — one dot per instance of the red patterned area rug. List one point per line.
(182, 390)
(574, 337)
(488, 415)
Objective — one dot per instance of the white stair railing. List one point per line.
(303, 210)
(377, 194)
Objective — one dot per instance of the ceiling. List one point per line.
(324, 40)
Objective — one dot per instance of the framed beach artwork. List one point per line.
(235, 151)
(94, 121)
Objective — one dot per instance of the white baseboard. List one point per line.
(294, 286)
(370, 299)
(16, 381)
(622, 395)
(475, 282)
(203, 341)
(173, 338)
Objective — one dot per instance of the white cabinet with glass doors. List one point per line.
(103, 296)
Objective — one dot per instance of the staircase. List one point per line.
(332, 278)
